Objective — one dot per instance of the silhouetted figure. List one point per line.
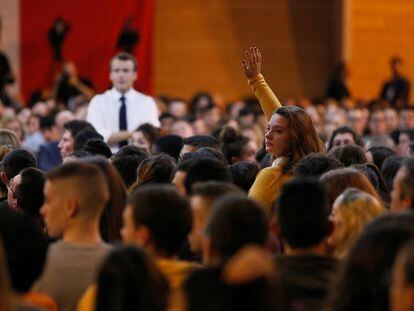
(128, 38)
(337, 88)
(397, 89)
(57, 35)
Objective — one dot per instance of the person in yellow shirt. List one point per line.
(290, 135)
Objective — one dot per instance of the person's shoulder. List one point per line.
(101, 96)
(142, 97)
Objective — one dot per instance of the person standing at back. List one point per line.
(119, 111)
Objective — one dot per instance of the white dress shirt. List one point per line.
(103, 112)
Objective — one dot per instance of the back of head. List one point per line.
(83, 136)
(349, 154)
(303, 218)
(244, 174)
(200, 141)
(363, 282)
(170, 144)
(380, 154)
(208, 152)
(315, 164)
(156, 169)
(389, 169)
(338, 180)
(129, 280)
(97, 147)
(232, 143)
(165, 213)
(17, 160)
(127, 165)
(25, 247)
(212, 189)
(204, 170)
(76, 126)
(85, 182)
(374, 176)
(236, 222)
(29, 193)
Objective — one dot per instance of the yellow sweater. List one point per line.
(266, 187)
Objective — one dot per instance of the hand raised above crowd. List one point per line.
(252, 62)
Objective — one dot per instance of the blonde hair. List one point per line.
(9, 139)
(356, 209)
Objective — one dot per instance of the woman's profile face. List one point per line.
(138, 139)
(277, 138)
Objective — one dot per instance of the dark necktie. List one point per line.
(123, 119)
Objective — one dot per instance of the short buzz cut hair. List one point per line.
(88, 182)
(124, 56)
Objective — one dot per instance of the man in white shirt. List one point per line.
(119, 111)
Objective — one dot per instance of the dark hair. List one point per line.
(389, 169)
(111, 219)
(236, 221)
(124, 56)
(204, 170)
(208, 152)
(127, 165)
(166, 214)
(200, 141)
(406, 259)
(97, 147)
(156, 169)
(349, 154)
(23, 241)
(380, 154)
(170, 144)
(76, 126)
(232, 143)
(129, 280)
(315, 164)
(29, 193)
(363, 282)
(343, 130)
(407, 182)
(83, 136)
(17, 160)
(79, 154)
(195, 101)
(244, 174)
(214, 189)
(303, 213)
(130, 150)
(374, 176)
(47, 122)
(150, 132)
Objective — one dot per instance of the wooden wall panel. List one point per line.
(198, 45)
(379, 30)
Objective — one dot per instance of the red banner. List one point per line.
(95, 27)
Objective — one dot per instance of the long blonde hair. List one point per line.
(355, 209)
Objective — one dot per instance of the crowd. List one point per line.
(117, 201)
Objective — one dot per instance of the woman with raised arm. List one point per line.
(290, 134)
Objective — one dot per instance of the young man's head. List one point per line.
(75, 195)
(49, 129)
(127, 163)
(71, 129)
(402, 195)
(157, 218)
(123, 71)
(303, 214)
(236, 222)
(315, 164)
(202, 200)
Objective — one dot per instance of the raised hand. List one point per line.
(252, 62)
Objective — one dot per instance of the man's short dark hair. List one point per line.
(25, 247)
(170, 144)
(124, 56)
(236, 222)
(127, 166)
(29, 193)
(98, 147)
(244, 174)
(76, 126)
(200, 141)
(46, 123)
(165, 212)
(303, 213)
(204, 170)
(214, 189)
(343, 130)
(17, 160)
(83, 136)
(315, 164)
